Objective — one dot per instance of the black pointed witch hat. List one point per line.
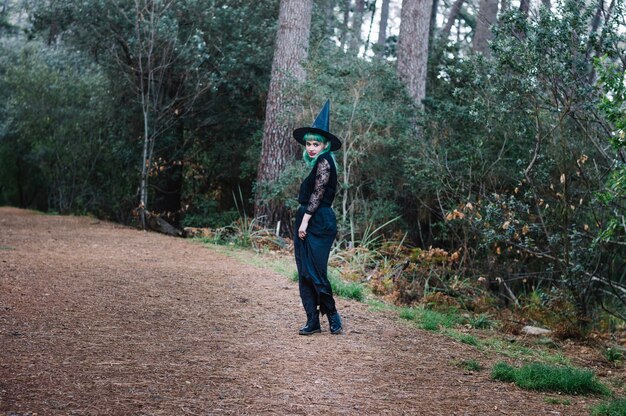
(320, 126)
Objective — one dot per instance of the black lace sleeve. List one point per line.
(322, 176)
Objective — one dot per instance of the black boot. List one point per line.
(312, 324)
(335, 322)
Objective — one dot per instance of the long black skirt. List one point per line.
(312, 259)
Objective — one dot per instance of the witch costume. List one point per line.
(316, 196)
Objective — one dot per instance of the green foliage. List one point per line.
(615, 407)
(542, 377)
(59, 148)
(511, 165)
(198, 160)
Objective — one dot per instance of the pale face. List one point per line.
(313, 147)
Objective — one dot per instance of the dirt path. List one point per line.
(99, 319)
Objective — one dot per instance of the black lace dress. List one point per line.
(317, 193)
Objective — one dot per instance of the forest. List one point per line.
(484, 155)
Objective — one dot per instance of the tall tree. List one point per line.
(357, 25)
(382, 29)
(278, 148)
(345, 35)
(453, 14)
(487, 15)
(149, 60)
(413, 47)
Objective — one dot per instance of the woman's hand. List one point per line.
(303, 226)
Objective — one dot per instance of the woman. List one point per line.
(316, 223)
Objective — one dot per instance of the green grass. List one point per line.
(519, 352)
(376, 305)
(543, 377)
(613, 355)
(471, 365)
(612, 408)
(348, 290)
(556, 400)
(469, 340)
(410, 314)
(429, 319)
(433, 320)
(482, 321)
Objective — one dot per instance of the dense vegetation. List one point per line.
(514, 169)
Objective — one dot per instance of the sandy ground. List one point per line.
(100, 319)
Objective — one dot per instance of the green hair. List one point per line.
(310, 161)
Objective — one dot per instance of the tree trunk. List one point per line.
(344, 24)
(455, 10)
(382, 29)
(278, 147)
(372, 10)
(487, 15)
(329, 17)
(357, 24)
(524, 7)
(505, 6)
(413, 47)
(433, 21)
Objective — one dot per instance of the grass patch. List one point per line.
(462, 337)
(613, 355)
(376, 305)
(471, 365)
(543, 377)
(519, 352)
(433, 320)
(286, 267)
(482, 321)
(279, 264)
(410, 314)
(557, 400)
(429, 319)
(348, 290)
(612, 408)
(469, 340)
